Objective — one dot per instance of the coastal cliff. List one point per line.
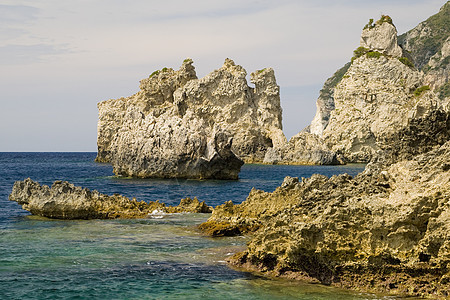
(181, 126)
(64, 200)
(374, 96)
(385, 230)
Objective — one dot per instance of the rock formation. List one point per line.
(379, 93)
(325, 102)
(429, 46)
(303, 149)
(63, 200)
(387, 229)
(181, 126)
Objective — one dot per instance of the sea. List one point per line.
(158, 257)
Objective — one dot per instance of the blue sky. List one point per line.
(58, 59)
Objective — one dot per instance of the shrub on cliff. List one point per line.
(420, 90)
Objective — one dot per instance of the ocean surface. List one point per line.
(152, 258)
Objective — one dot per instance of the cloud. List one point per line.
(17, 14)
(26, 54)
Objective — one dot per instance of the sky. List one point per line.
(58, 59)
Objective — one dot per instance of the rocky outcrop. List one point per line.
(375, 98)
(303, 149)
(377, 95)
(429, 46)
(325, 102)
(63, 200)
(181, 126)
(386, 230)
(381, 37)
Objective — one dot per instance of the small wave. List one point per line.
(157, 214)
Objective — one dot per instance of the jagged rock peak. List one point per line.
(180, 126)
(381, 36)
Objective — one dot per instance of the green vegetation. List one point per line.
(360, 51)
(188, 60)
(384, 19)
(424, 46)
(260, 71)
(420, 90)
(406, 61)
(444, 91)
(333, 81)
(373, 54)
(369, 25)
(154, 73)
(158, 71)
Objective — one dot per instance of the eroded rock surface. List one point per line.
(181, 126)
(63, 200)
(386, 230)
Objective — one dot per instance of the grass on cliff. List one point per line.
(360, 51)
(420, 90)
(425, 46)
(406, 61)
(334, 80)
(383, 19)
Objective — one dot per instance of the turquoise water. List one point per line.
(153, 258)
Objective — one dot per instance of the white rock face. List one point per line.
(375, 98)
(325, 102)
(372, 99)
(381, 38)
(181, 126)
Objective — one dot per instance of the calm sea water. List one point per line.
(134, 259)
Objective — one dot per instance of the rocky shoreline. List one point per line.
(387, 230)
(64, 200)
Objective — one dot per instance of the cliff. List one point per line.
(63, 200)
(181, 126)
(385, 230)
(377, 94)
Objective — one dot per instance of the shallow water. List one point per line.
(152, 258)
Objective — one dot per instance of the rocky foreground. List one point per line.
(386, 230)
(63, 200)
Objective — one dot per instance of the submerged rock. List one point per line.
(181, 126)
(63, 200)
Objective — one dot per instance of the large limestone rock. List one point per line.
(386, 230)
(181, 126)
(63, 200)
(374, 98)
(325, 102)
(381, 37)
(303, 149)
(377, 95)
